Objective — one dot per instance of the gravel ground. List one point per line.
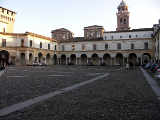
(23, 83)
(121, 96)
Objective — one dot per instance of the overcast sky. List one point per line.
(42, 16)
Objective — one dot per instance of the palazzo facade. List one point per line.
(23, 48)
(125, 45)
(97, 47)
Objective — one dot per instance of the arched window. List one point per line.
(125, 21)
(55, 47)
(40, 45)
(22, 42)
(49, 46)
(30, 43)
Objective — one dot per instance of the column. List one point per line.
(78, 61)
(102, 61)
(141, 60)
(112, 61)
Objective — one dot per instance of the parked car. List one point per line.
(154, 67)
(35, 64)
(147, 66)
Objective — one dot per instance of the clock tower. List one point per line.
(122, 17)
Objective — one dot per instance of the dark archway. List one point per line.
(83, 59)
(63, 59)
(146, 58)
(22, 59)
(30, 58)
(95, 59)
(40, 57)
(73, 59)
(132, 59)
(4, 58)
(119, 59)
(48, 58)
(54, 59)
(107, 59)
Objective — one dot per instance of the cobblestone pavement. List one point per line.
(124, 95)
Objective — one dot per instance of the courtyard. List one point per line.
(77, 93)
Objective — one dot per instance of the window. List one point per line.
(130, 36)
(121, 20)
(7, 12)
(4, 30)
(120, 36)
(94, 47)
(3, 42)
(73, 47)
(105, 37)
(22, 42)
(136, 36)
(119, 46)
(132, 46)
(55, 47)
(63, 48)
(30, 43)
(83, 46)
(40, 45)
(125, 21)
(112, 37)
(146, 45)
(106, 46)
(49, 46)
(2, 10)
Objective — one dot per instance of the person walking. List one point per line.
(127, 66)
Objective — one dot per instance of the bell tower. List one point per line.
(122, 17)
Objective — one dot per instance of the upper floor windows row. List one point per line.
(7, 18)
(31, 44)
(126, 36)
(107, 47)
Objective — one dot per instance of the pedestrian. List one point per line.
(127, 66)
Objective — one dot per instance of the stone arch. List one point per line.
(146, 58)
(132, 59)
(95, 59)
(119, 59)
(40, 57)
(107, 59)
(63, 59)
(30, 58)
(48, 59)
(54, 59)
(4, 58)
(22, 59)
(73, 59)
(83, 59)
